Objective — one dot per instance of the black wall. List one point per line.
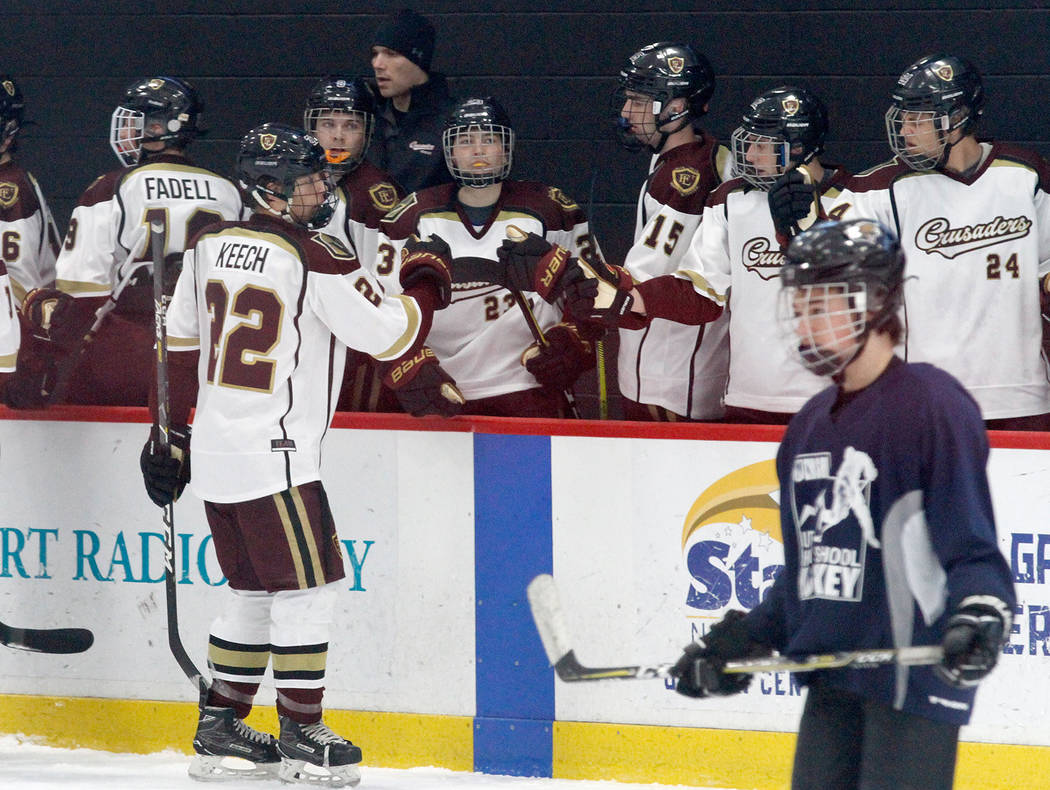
(552, 64)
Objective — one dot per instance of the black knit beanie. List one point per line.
(409, 34)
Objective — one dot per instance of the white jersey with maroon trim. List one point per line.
(976, 249)
(365, 195)
(735, 260)
(277, 306)
(28, 237)
(108, 240)
(10, 334)
(479, 338)
(681, 368)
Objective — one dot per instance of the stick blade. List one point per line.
(47, 640)
(548, 616)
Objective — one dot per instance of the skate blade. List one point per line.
(301, 772)
(210, 768)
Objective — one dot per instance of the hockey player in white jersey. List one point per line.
(273, 303)
(483, 339)
(340, 113)
(974, 220)
(104, 267)
(10, 334)
(28, 237)
(667, 370)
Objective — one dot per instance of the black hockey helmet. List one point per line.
(485, 117)
(663, 71)
(272, 158)
(349, 95)
(859, 259)
(12, 108)
(169, 103)
(790, 118)
(945, 89)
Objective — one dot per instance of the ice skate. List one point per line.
(227, 748)
(313, 754)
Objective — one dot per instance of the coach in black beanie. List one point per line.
(412, 103)
(412, 35)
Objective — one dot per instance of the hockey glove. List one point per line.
(166, 472)
(558, 364)
(699, 670)
(973, 639)
(428, 263)
(50, 314)
(793, 204)
(31, 384)
(423, 387)
(534, 264)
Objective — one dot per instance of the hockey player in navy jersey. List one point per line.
(889, 536)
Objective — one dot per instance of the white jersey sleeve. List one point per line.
(10, 336)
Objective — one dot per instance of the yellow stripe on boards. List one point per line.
(391, 740)
(748, 759)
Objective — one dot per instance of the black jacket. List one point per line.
(408, 145)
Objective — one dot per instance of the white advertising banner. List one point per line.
(656, 539)
(81, 545)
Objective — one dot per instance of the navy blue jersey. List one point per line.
(887, 525)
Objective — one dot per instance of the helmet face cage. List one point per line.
(333, 98)
(12, 108)
(661, 72)
(825, 323)
(272, 162)
(363, 123)
(934, 96)
(771, 157)
(474, 145)
(162, 109)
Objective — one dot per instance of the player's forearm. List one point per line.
(674, 299)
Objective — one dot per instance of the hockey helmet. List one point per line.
(788, 124)
(478, 122)
(350, 96)
(165, 109)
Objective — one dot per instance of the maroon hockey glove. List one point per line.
(558, 364)
(166, 472)
(534, 264)
(50, 314)
(973, 639)
(428, 263)
(699, 670)
(423, 387)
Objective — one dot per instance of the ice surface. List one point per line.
(28, 766)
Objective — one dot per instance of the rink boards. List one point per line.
(652, 532)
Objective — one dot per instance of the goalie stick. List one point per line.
(550, 623)
(46, 640)
(163, 424)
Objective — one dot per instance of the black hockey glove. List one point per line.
(558, 364)
(973, 639)
(166, 473)
(423, 387)
(791, 204)
(534, 264)
(699, 670)
(429, 263)
(32, 382)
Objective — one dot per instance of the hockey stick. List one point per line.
(46, 640)
(550, 623)
(515, 233)
(163, 425)
(599, 345)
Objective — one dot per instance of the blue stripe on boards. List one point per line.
(512, 543)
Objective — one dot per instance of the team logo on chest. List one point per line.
(761, 258)
(8, 194)
(937, 235)
(383, 195)
(685, 180)
(833, 523)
